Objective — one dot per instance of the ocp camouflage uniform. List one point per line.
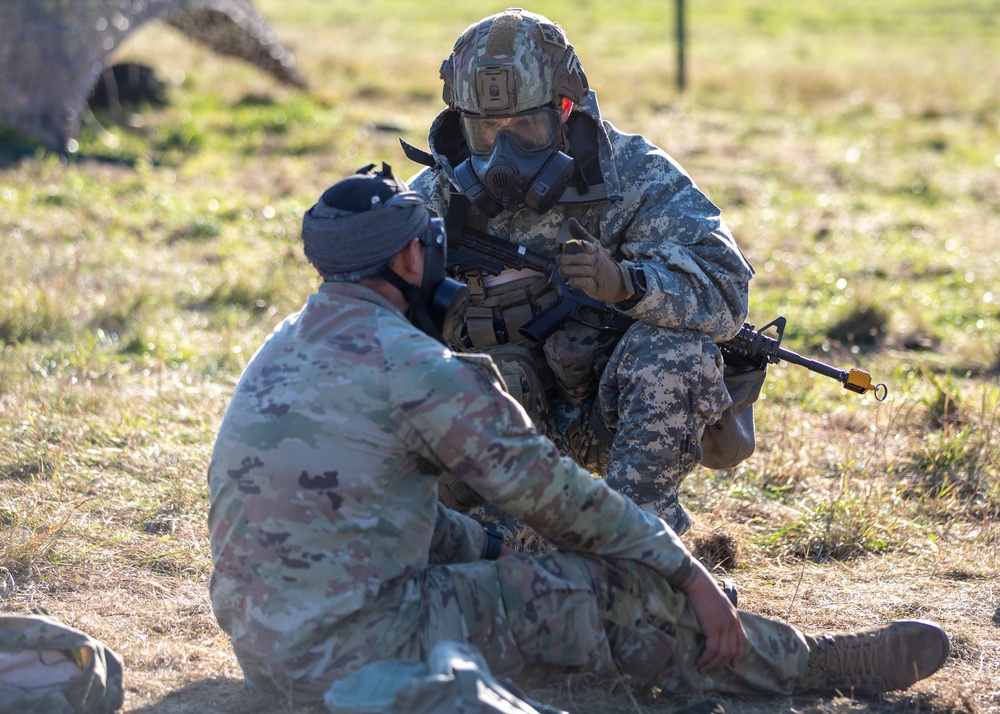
(663, 382)
(332, 550)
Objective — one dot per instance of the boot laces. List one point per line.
(851, 660)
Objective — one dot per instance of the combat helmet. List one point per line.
(513, 79)
(512, 62)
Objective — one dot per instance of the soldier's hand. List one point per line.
(725, 639)
(588, 266)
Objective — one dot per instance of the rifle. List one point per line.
(477, 250)
(757, 349)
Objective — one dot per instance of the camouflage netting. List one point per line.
(53, 51)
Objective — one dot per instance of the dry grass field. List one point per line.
(853, 147)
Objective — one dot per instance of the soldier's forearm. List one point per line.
(456, 539)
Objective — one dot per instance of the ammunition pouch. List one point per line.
(576, 356)
(496, 313)
(527, 381)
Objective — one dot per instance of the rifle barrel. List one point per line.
(854, 380)
(753, 344)
(811, 364)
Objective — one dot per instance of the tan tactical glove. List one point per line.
(588, 266)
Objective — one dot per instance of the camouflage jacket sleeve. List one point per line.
(696, 276)
(434, 187)
(457, 410)
(456, 539)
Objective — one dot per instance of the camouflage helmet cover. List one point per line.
(512, 62)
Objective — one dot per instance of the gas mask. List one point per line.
(515, 161)
(437, 307)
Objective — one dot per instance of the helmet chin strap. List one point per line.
(410, 291)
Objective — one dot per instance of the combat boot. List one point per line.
(876, 660)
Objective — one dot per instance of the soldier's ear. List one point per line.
(409, 262)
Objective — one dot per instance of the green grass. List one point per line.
(854, 149)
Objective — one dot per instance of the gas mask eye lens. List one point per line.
(533, 131)
(515, 161)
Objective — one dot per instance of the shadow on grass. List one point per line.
(220, 696)
(11, 155)
(15, 148)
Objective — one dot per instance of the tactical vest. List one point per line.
(570, 360)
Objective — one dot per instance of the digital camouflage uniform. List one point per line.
(332, 550)
(663, 381)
